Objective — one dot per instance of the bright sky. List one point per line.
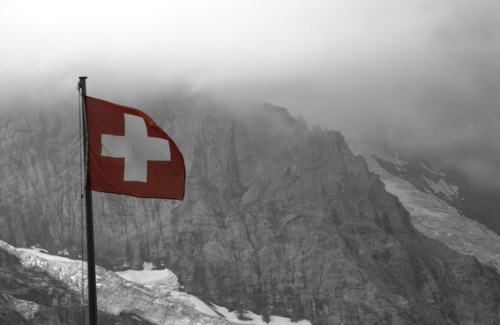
(424, 72)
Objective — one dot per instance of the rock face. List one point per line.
(277, 219)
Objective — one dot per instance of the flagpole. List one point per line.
(91, 277)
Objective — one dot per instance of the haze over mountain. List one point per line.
(422, 75)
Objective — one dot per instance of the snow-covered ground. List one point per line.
(154, 295)
(256, 319)
(166, 281)
(448, 190)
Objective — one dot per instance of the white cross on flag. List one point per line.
(128, 153)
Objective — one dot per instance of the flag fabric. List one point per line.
(128, 153)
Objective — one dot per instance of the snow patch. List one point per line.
(419, 203)
(254, 319)
(39, 249)
(397, 161)
(433, 170)
(443, 187)
(63, 252)
(151, 279)
(194, 302)
(147, 266)
(42, 253)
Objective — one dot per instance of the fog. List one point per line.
(423, 75)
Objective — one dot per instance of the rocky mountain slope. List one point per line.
(277, 219)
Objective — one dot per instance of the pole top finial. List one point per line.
(82, 86)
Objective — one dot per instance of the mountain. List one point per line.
(278, 219)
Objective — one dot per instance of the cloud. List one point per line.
(454, 109)
(480, 171)
(422, 74)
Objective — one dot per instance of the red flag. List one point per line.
(128, 153)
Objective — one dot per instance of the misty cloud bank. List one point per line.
(422, 74)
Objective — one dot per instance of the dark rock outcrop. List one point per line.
(277, 219)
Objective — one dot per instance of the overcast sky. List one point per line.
(423, 72)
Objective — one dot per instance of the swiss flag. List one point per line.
(128, 153)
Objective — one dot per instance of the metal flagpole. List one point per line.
(91, 278)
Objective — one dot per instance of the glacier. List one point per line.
(431, 215)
